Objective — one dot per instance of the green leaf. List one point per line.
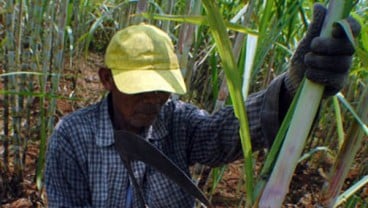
(352, 190)
(352, 111)
(345, 25)
(233, 78)
(199, 20)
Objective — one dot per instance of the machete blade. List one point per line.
(136, 147)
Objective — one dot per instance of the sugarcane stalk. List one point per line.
(351, 191)
(18, 86)
(346, 156)
(234, 83)
(340, 129)
(185, 41)
(46, 62)
(301, 123)
(168, 10)
(61, 7)
(9, 67)
(223, 92)
(142, 6)
(13, 63)
(276, 146)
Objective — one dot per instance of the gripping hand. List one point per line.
(323, 60)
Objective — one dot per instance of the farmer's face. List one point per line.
(134, 111)
(137, 111)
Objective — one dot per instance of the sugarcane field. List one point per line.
(184, 103)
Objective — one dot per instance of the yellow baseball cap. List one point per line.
(142, 59)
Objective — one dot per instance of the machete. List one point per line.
(134, 147)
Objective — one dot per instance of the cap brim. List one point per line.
(146, 80)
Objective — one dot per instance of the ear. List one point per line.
(106, 78)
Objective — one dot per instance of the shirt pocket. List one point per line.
(109, 179)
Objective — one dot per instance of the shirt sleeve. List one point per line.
(266, 111)
(66, 185)
(214, 139)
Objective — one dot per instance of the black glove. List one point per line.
(322, 60)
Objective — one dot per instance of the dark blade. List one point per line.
(136, 147)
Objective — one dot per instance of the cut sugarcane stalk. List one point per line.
(278, 185)
(305, 112)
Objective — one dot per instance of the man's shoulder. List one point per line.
(181, 108)
(175, 105)
(81, 117)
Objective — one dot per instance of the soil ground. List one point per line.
(304, 190)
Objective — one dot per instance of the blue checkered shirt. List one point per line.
(83, 169)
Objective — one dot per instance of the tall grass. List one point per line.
(33, 60)
(38, 39)
(347, 153)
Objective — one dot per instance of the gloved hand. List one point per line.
(322, 60)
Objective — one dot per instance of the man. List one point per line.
(83, 167)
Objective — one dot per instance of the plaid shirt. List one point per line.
(83, 168)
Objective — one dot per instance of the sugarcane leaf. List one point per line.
(345, 25)
(223, 44)
(352, 111)
(315, 150)
(199, 20)
(193, 19)
(2, 42)
(351, 191)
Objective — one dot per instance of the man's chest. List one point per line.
(109, 181)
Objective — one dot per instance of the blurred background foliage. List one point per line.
(42, 41)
